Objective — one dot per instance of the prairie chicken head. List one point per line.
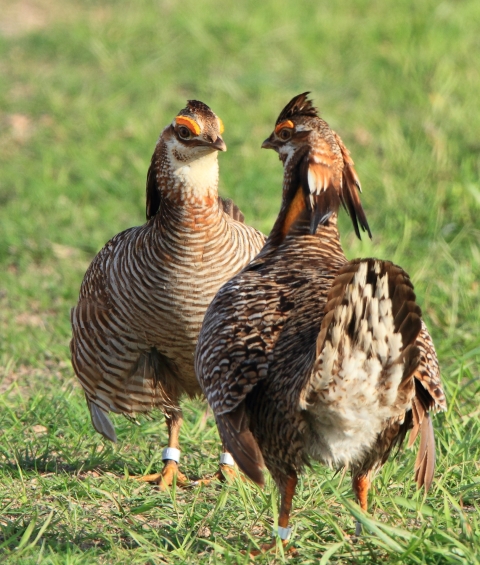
(194, 132)
(315, 159)
(184, 164)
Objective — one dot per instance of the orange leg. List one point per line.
(225, 473)
(361, 485)
(288, 492)
(226, 470)
(170, 470)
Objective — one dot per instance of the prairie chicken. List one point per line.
(144, 296)
(305, 355)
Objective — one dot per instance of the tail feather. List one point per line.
(349, 290)
(404, 397)
(358, 332)
(239, 441)
(417, 417)
(101, 422)
(425, 462)
(422, 424)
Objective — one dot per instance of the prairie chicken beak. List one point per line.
(269, 144)
(218, 144)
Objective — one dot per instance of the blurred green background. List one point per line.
(86, 88)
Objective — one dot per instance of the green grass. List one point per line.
(86, 88)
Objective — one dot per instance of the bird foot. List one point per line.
(272, 545)
(165, 479)
(225, 473)
(229, 473)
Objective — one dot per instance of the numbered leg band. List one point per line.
(227, 459)
(171, 454)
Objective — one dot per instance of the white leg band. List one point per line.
(227, 459)
(283, 533)
(171, 454)
(358, 529)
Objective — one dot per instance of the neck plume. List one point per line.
(302, 212)
(315, 185)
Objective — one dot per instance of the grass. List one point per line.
(86, 88)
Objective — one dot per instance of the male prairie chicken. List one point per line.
(305, 355)
(144, 296)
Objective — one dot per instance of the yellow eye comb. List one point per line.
(190, 123)
(285, 124)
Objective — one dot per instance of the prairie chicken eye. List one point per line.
(285, 134)
(184, 132)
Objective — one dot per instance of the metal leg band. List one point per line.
(358, 528)
(227, 459)
(283, 533)
(171, 453)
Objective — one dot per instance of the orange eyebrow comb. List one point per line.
(285, 124)
(190, 123)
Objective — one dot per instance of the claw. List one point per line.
(229, 473)
(225, 473)
(166, 477)
(265, 547)
(268, 546)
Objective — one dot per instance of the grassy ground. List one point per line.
(86, 88)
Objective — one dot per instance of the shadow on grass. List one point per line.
(51, 462)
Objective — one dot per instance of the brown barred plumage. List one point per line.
(306, 355)
(144, 296)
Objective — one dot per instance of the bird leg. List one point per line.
(361, 485)
(227, 471)
(165, 478)
(283, 532)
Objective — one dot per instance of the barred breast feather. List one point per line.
(141, 306)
